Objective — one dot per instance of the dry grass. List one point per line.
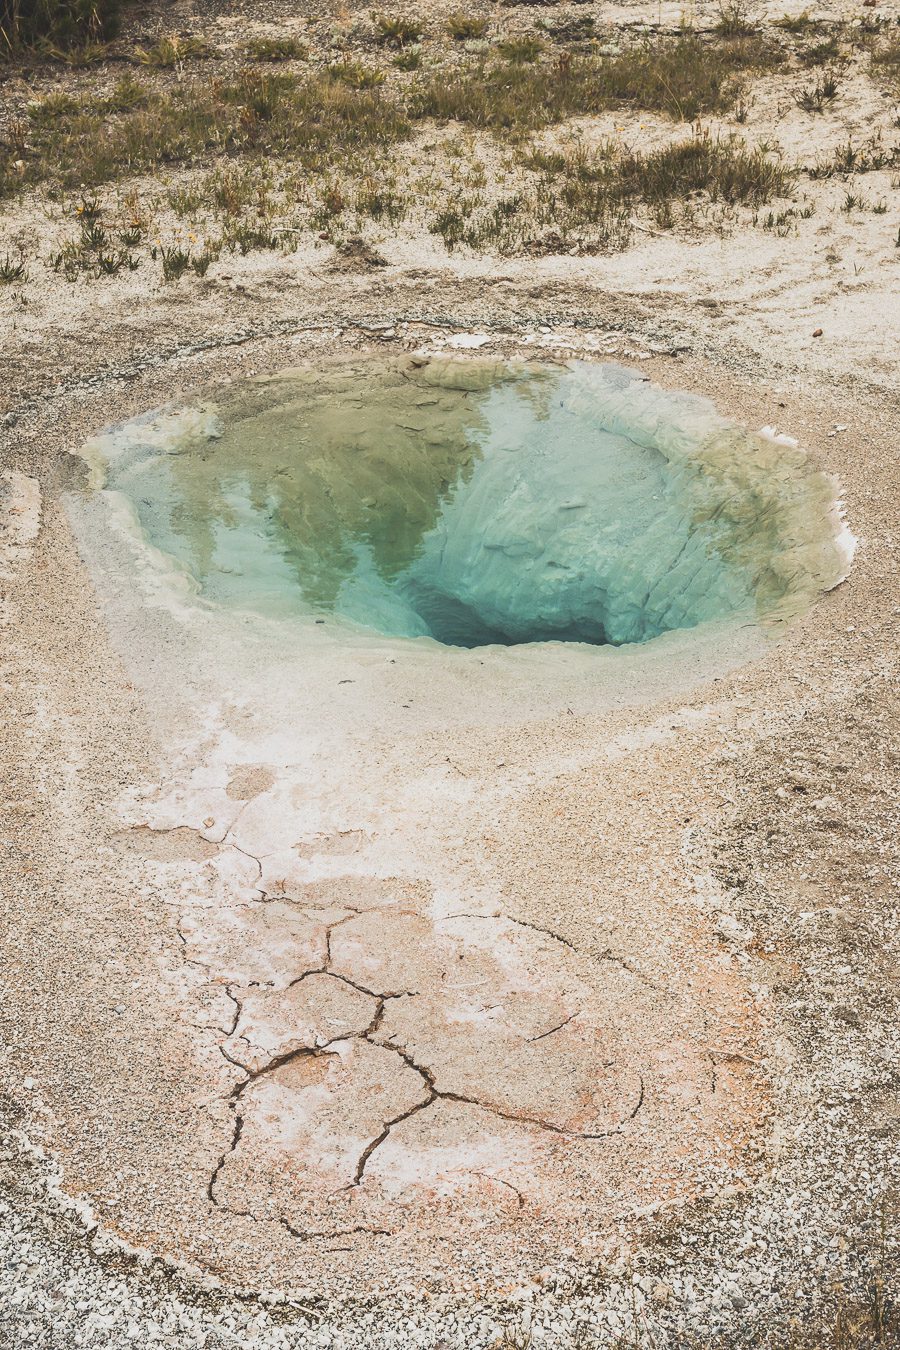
(735, 19)
(584, 202)
(264, 155)
(172, 51)
(318, 120)
(276, 49)
(330, 117)
(62, 23)
(683, 78)
(464, 27)
(397, 30)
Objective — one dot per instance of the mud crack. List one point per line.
(432, 1092)
(607, 955)
(439, 1094)
(553, 1030)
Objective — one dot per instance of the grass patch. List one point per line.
(683, 78)
(734, 20)
(128, 94)
(378, 200)
(356, 75)
(12, 271)
(723, 169)
(408, 58)
(316, 121)
(172, 51)
(335, 116)
(815, 97)
(848, 158)
(584, 202)
(56, 23)
(521, 50)
(821, 53)
(464, 27)
(99, 250)
(397, 30)
(275, 49)
(800, 25)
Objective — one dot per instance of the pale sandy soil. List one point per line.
(693, 859)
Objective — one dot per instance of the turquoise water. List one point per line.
(476, 503)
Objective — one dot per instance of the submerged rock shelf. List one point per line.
(477, 503)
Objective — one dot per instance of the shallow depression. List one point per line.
(477, 503)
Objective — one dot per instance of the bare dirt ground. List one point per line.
(239, 1109)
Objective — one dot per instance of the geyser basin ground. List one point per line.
(419, 973)
(477, 503)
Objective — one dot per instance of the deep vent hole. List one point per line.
(456, 624)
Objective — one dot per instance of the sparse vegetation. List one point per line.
(521, 50)
(683, 78)
(316, 120)
(172, 51)
(12, 270)
(276, 49)
(586, 199)
(724, 169)
(175, 260)
(242, 236)
(821, 53)
(396, 31)
(355, 75)
(734, 19)
(408, 58)
(464, 27)
(814, 97)
(336, 130)
(99, 250)
(848, 158)
(200, 262)
(800, 25)
(77, 57)
(322, 118)
(127, 95)
(65, 24)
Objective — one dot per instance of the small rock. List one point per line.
(468, 340)
(728, 927)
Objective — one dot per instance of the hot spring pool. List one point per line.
(475, 503)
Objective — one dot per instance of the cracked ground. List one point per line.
(392, 1059)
